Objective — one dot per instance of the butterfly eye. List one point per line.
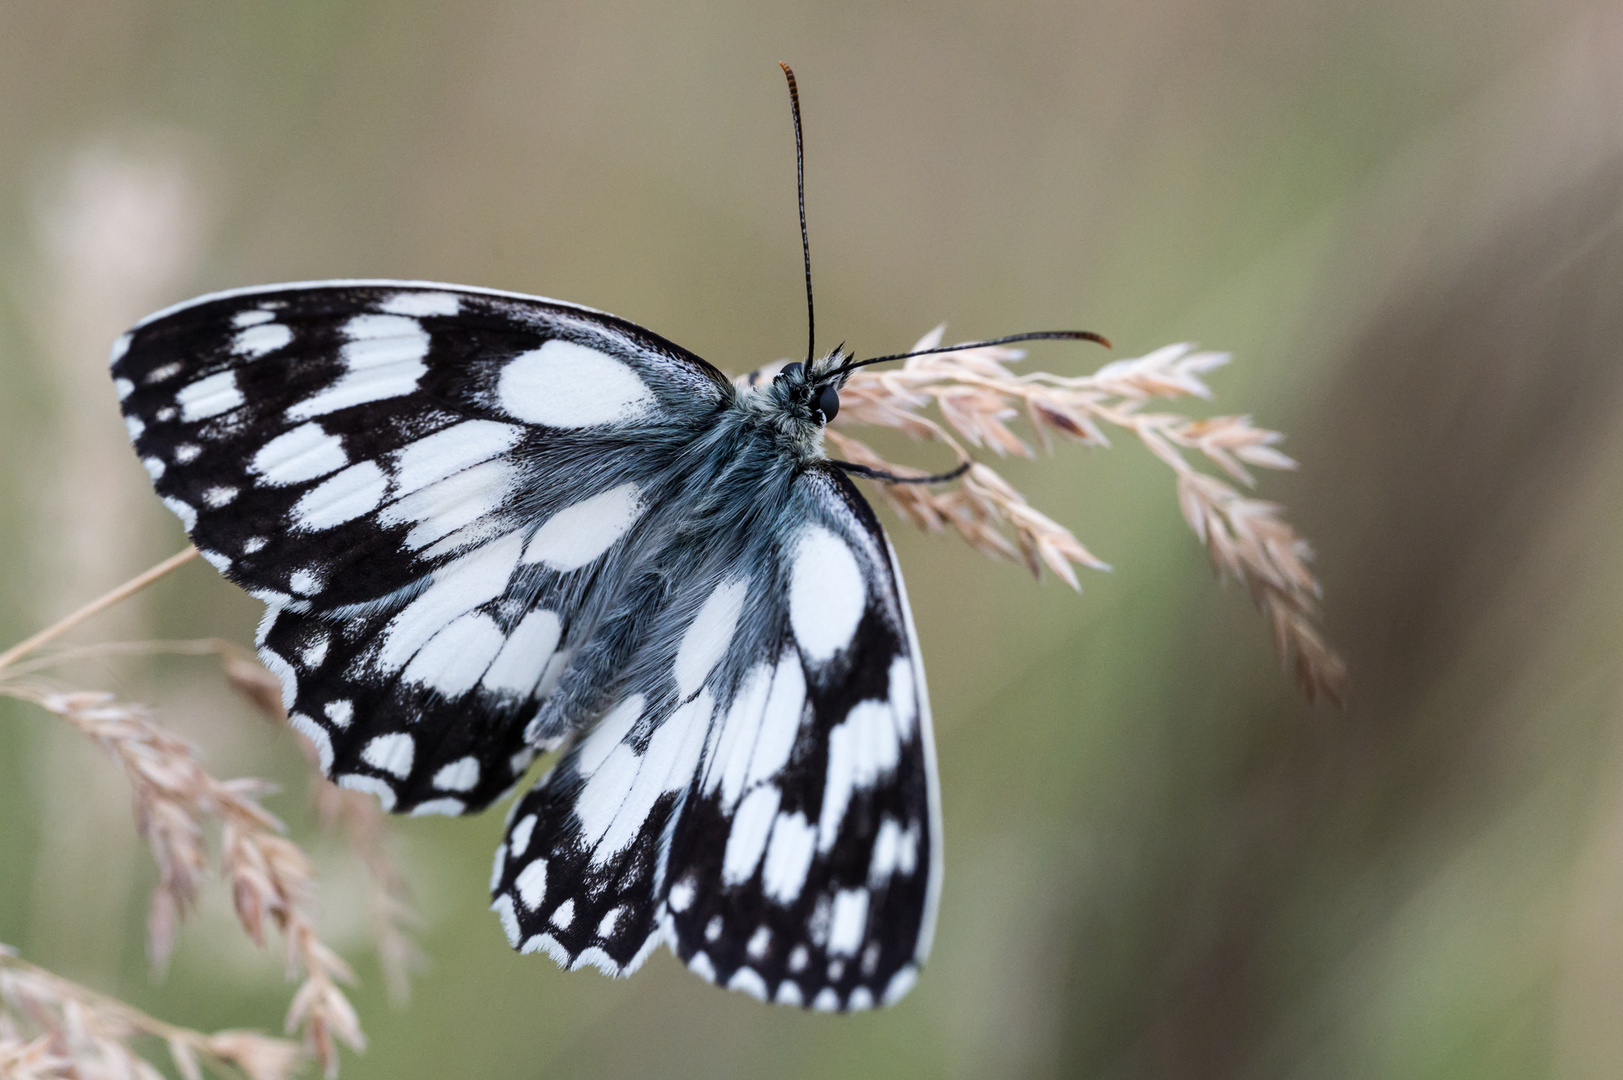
(828, 403)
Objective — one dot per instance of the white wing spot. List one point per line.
(826, 593)
(503, 907)
(789, 993)
(314, 653)
(779, 723)
(498, 867)
(255, 341)
(827, 1000)
(519, 665)
(209, 396)
(712, 930)
(759, 942)
(564, 915)
(217, 497)
(124, 387)
(886, 844)
(850, 920)
(133, 424)
(344, 497)
(531, 884)
(605, 928)
(577, 534)
(750, 982)
(609, 735)
(453, 660)
(445, 506)
(317, 735)
(461, 586)
(305, 582)
(391, 753)
(120, 347)
(450, 450)
(253, 544)
(279, 667)
(340, 712)
(460, 775)
(548, 944)
(186, 453)
(861, 1000)
(682, 895)
(382, 359)
(220, 562)
(565, 385)
(520, 837)
(701, 966)
(752, 824)
(900, 983)
(370, 784)
(293, 457)
(736, 741)
(447, 807)
(186, 514)
(521, 761)
(788, 857)
(159, 374)
(860, 751)
(709, 634)
(419, 304)
(870, 958)
(799, 957)
(254, 317)
(904, 700)
(154, 466)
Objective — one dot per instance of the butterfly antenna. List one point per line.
(1036, 335)
(800, 189)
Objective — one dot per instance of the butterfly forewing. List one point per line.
(380, 463)
(766, 805)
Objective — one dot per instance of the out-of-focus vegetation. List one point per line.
(1404, 219)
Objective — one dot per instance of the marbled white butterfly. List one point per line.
(488, 525)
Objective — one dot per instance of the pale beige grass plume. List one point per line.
(50, 1027)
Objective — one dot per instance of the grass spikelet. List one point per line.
(979, 398)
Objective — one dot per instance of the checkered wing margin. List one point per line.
(761, 796)
(371, 460)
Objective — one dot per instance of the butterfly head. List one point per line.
(810, 396)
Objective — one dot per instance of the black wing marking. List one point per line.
(380, 462)
(773, 816)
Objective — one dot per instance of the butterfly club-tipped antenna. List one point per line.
(800, 191)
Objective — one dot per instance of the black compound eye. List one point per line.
(828, 403)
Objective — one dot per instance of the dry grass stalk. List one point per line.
(979, 397)
(364, 825)
(270, 877)
(56, 1029)
(355, 815)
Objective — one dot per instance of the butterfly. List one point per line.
(487, 526)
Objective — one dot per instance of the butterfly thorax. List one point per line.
(786, 407)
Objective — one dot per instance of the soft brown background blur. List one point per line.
(1403, 216)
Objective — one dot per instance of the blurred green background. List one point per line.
(1403, 216)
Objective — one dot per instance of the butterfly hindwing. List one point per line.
(762, 794)
(421, 481)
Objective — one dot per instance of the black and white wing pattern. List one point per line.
(761, 796)
(486, 525)
(425, 484)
